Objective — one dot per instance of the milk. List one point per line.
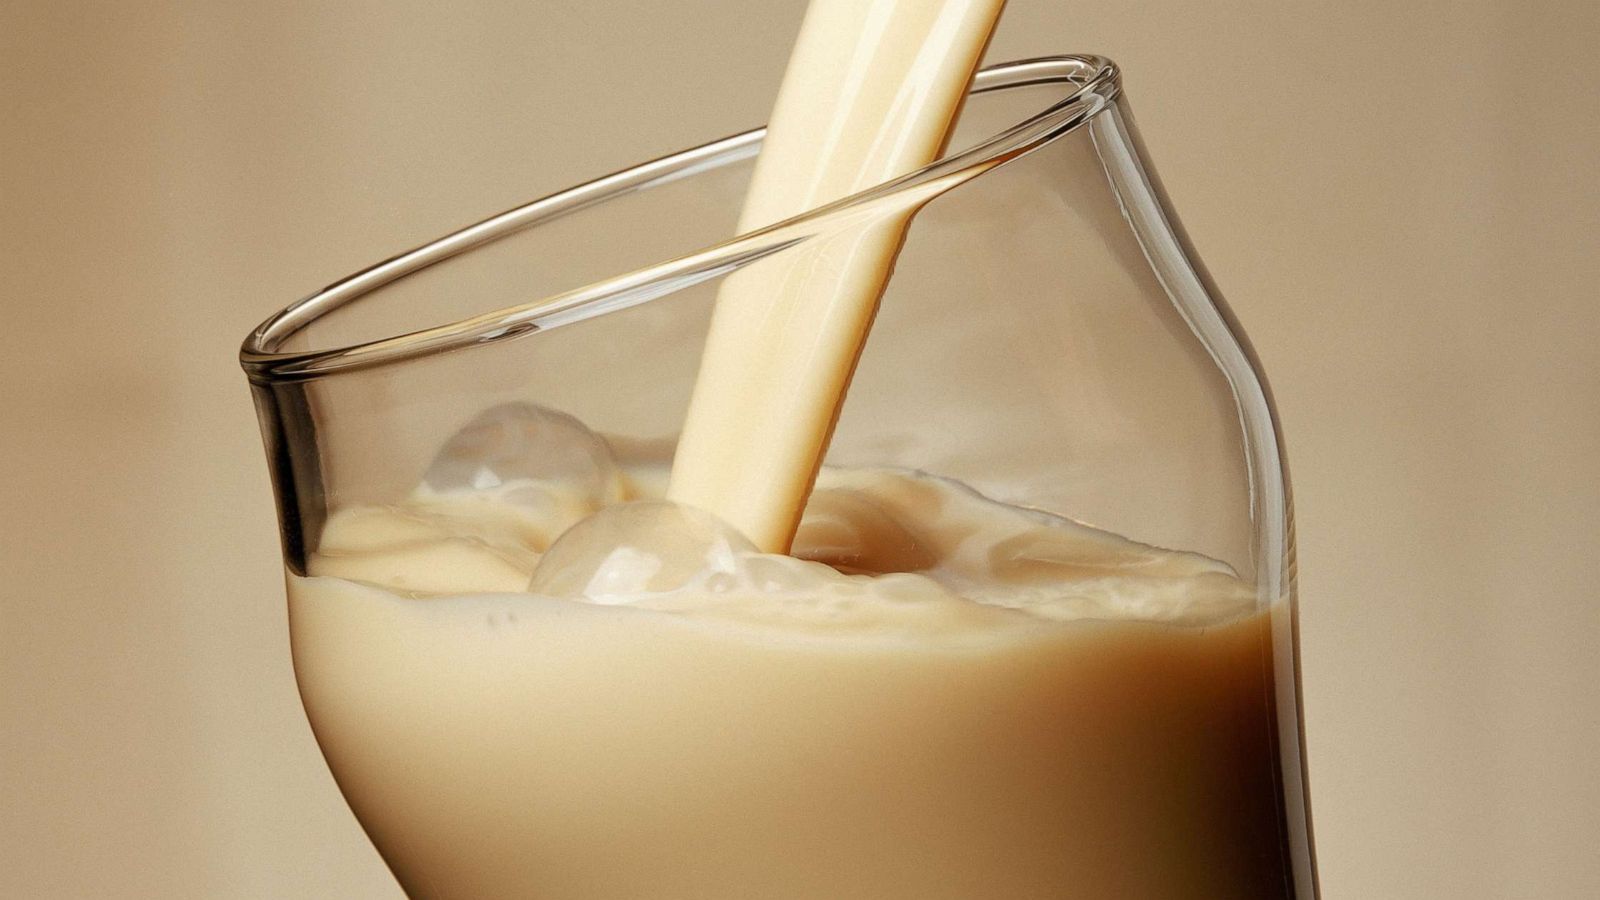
(872, 92)
(1040, 709)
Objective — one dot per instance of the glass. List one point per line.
(1048, 338)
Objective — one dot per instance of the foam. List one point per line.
(878, 549)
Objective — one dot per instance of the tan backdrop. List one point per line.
(1400, 200)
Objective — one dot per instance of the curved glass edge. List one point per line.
(1178, 268)
(1097, 79)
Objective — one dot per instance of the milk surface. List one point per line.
(950, 698)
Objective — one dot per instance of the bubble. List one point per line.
(629, 549)
(530, 456)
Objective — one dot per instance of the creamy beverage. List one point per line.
(871, 93)
(938, 696)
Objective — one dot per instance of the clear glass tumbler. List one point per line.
(1048, 339)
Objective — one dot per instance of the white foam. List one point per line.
(878, 549)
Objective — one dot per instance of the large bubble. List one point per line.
(539, 459)
(630, 549)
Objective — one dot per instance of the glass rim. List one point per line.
(1097, 80)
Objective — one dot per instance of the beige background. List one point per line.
(1400, 200)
